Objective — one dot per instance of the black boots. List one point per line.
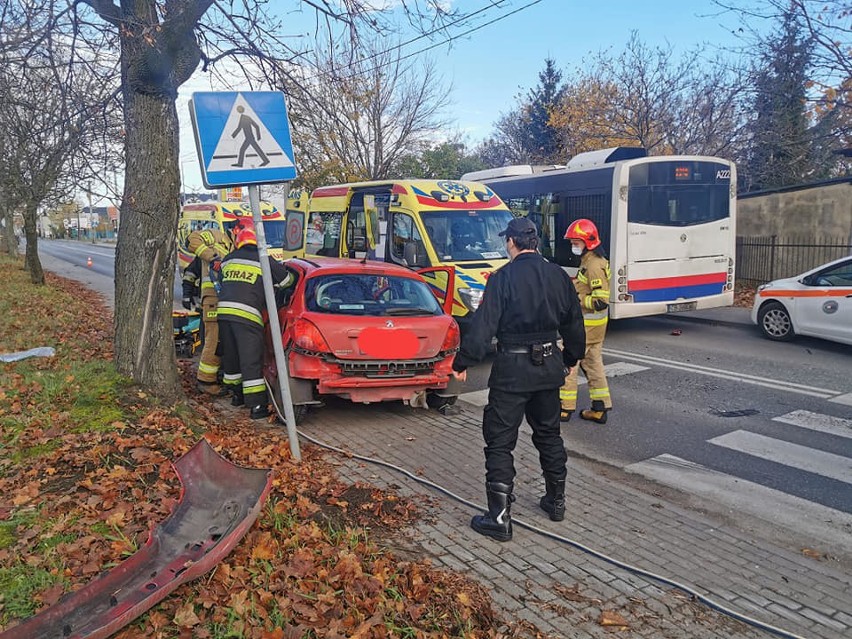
(553, 502)
(237, 398)
(597, 413)
(497, 522)
(260, 411)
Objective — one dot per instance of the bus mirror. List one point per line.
(359, 244)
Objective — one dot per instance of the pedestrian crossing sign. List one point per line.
(242, 138)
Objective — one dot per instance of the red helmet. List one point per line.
(244, 232)
(585, 230)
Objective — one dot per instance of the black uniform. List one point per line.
(527, 304)
(240, 315)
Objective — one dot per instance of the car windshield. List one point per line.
(345, 294)
(467, 236)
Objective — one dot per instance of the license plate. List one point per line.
(681, 306)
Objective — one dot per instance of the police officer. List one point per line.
(593, 289)
(208, 246)
(240, 314)
(528, 304)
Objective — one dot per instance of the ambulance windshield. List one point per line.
(467, 236)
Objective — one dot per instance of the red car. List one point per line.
(365, 331)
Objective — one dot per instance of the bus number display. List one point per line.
(682, 173)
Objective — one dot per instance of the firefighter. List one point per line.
(528, 304)
(208, 246)
(240, 314)
(593, 288)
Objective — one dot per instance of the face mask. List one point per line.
(576, 250)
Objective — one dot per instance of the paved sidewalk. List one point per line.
(558, 588)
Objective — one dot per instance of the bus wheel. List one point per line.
(440, 402)
(775, 322)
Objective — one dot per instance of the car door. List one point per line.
(825, 309)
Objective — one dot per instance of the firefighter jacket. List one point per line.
(241, 298)
(207, 246)
(593, 288)
(528, 303)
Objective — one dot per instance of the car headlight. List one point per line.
(472, 297)
(762, 287)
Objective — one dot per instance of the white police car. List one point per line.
(816, 303)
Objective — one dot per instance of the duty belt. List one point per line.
(525, 350)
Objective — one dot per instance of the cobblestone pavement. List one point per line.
(557, 588)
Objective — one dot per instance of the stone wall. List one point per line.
(818, 211)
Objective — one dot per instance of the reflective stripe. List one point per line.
(599, 393)
(595, 322)
(207, 285)
(253, 386)
(236, 309)
(581, 276)
(567, 394)
(243, 262)
(189, 276)
(600, 293)
(207, 368)
(232, 379)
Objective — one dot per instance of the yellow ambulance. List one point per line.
(222, 216)
(426, 225)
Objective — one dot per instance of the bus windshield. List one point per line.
(467, 236)
(678, 193)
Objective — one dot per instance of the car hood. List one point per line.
(786, 283)
(371, 338)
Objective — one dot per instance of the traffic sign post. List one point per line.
(244, 139)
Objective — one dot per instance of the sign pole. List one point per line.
(274, 323)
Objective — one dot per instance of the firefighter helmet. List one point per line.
(585, 230)
(244, 233)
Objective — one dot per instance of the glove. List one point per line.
(599, 304)
(188, 303)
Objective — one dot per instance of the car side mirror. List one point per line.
(808, 280)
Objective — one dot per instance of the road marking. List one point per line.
(816, 421)
(813, 520)
(85, 249)
(843, 399)
(793, 455)
(792, 387)
(616, 369)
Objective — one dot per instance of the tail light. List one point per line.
(451, 341)
(308, 337)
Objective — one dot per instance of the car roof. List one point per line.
(332, 265)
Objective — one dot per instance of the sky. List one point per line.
(488, 68)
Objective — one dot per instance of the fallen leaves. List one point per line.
(308, 567)
(610, 618)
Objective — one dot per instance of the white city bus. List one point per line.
(667, 223)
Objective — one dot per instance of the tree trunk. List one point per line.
(9, 239)
(145, 253)
(32, 262)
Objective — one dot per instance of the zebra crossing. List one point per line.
(741, 495)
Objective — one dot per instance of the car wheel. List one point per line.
(438, 402)
(775, 322)
(300, 411)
